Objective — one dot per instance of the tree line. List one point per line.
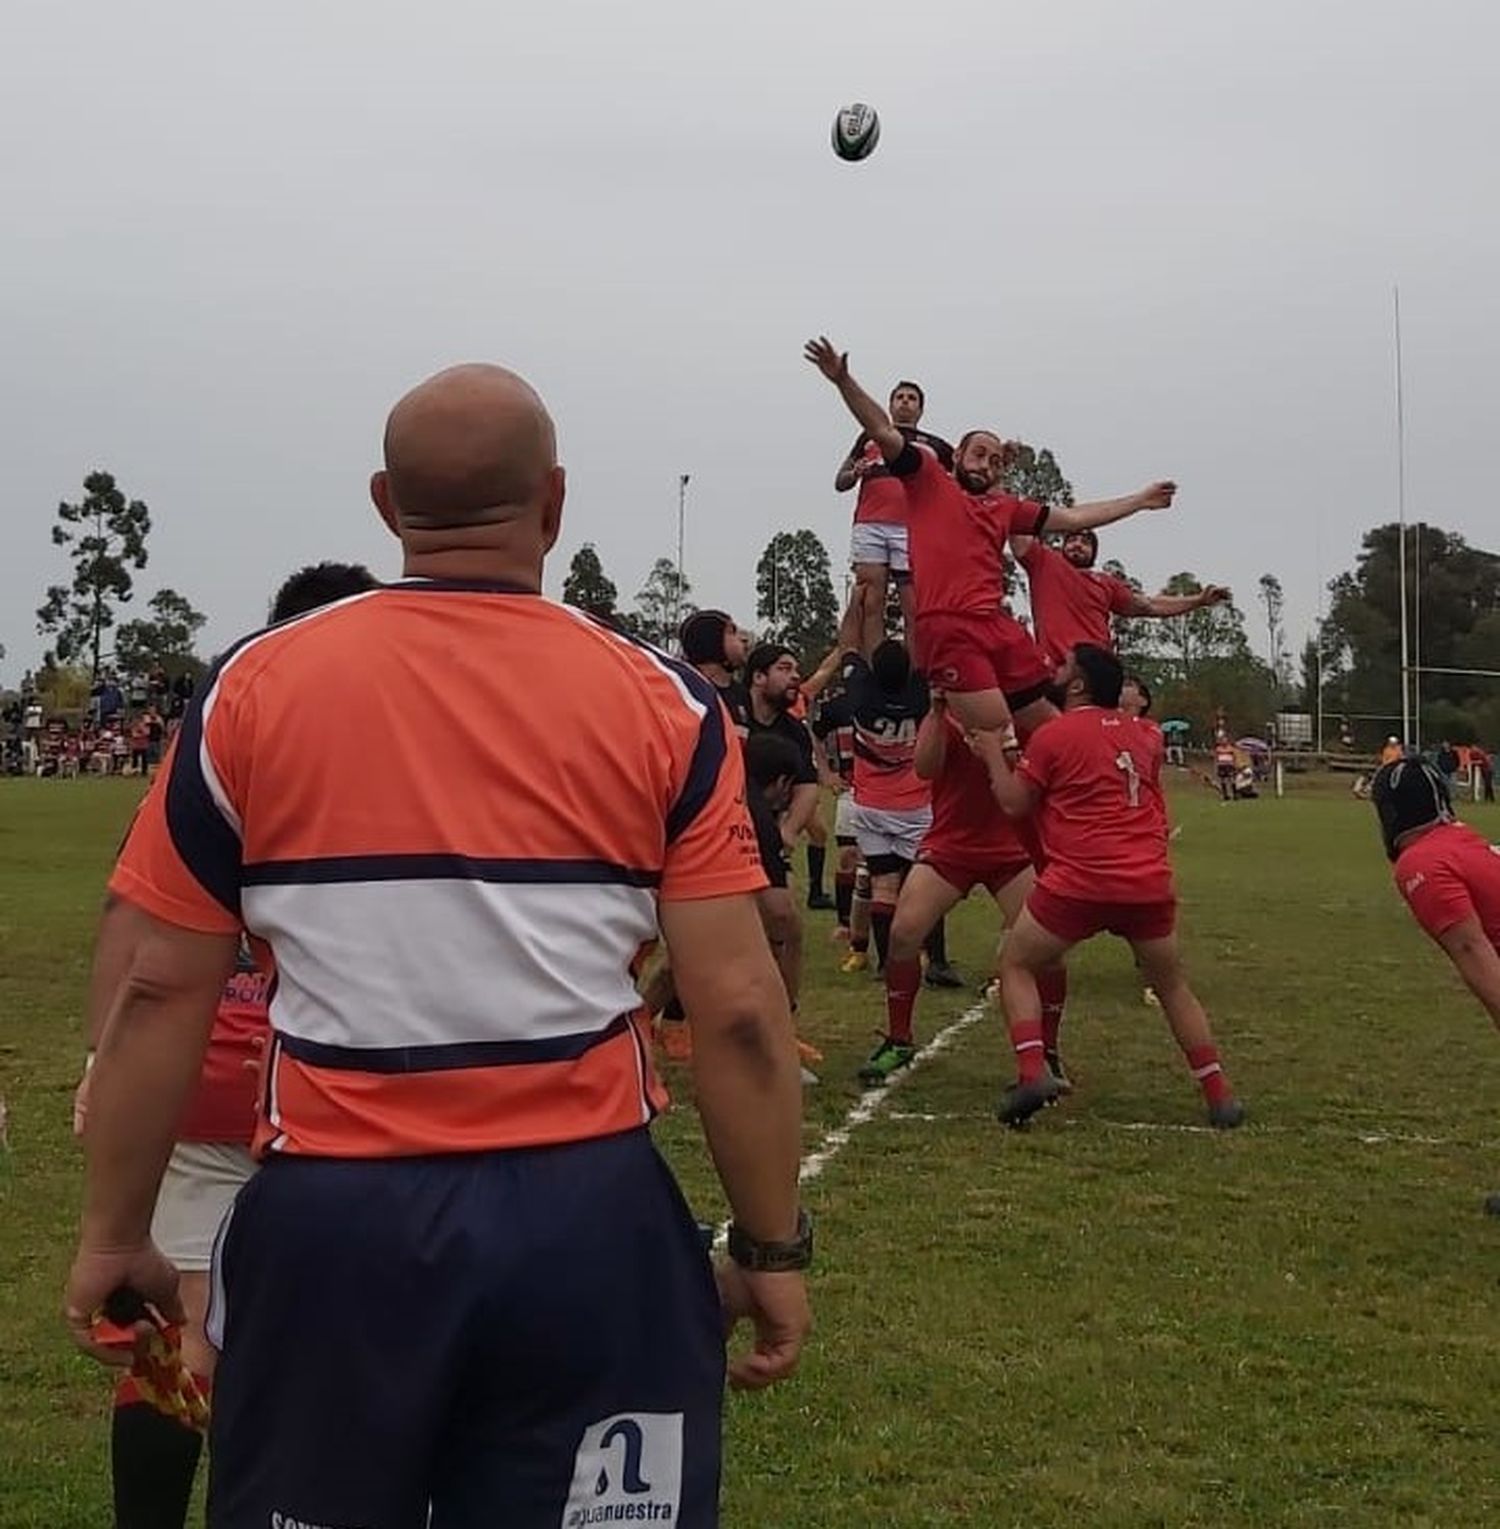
(1201, 666)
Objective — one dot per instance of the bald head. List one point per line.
(472, 446)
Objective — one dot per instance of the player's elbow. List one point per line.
(751, 1037)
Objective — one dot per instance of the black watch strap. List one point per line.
(773, 1257)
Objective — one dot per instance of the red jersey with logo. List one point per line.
(881, 498)
(1449, 874)
(223, 1109)
(1072, 605)
(1103, 818)
(967, 823)
(956, 540)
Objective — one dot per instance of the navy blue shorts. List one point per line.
(522, 1338)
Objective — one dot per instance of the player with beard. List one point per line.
(878, 546)
(1094, 777)
(716, 647)
(957, 525)
(1071, 602)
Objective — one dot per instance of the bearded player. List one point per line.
(1094, 778)
(967, 641)
(1072, 602)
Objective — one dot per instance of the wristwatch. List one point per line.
(773, 1257)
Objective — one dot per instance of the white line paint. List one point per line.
(873, 1102)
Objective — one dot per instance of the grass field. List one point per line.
(1107, 1320)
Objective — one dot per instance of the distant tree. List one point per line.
(1273, 603)
(1458, 628)
(1035, 475)
(105, 535)
(661, 603)
(587, 585)
(794, 593)
(165, 639)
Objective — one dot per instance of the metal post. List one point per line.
(682, 484)
(1416, 637)
(1401, 520)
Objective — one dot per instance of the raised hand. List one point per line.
(833, 364)
(1216, 594)
(1158, 496)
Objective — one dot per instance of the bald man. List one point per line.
(463, 1282)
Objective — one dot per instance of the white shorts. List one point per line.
(199, 1186)
(879, 832)
(878, 541)
(843, 815)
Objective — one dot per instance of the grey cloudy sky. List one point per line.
(1156, 235)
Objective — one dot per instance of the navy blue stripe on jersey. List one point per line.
(712, 747)
(330, 870)
(447, 1058)
(203, 837)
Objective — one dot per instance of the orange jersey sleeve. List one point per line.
(711, 845)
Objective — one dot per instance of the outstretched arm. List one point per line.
(1179, 605)
(873, 419)
(850, 639)
(1104, 512)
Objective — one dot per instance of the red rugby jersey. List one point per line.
(1449, 874)
(956, 540)
(1072, 605)
(456, 886)
(967, 823)
(1103, 817)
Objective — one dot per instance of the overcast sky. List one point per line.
(1159, 236)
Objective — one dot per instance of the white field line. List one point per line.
(873, 1102)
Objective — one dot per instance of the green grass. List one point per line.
(1105, 1320)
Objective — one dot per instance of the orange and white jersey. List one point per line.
(450, 810)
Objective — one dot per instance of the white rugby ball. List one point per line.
(856, 131)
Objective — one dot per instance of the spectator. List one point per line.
(1447, 762)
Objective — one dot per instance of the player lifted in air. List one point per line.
(877, 548)
(957, 526)
(1094, 775)
(1071, 602)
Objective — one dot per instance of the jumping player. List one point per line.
(1095, 777)
(878, 547)
(958, 523)
(1071, 602)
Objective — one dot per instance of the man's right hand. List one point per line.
(777, 1306)
(833, 364)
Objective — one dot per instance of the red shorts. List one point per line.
(966, 652)
(963, 871)
(1075, 920)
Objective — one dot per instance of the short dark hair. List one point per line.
(890, 663)
(701, 637)
(770, 757)
(969, 435)
(916, 388)
(320, 584)
(1143, 687)
(763, 656)
(1103, 674)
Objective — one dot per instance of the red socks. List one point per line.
(903, 980)
(1052, 984)
(1026, 1038)
(1207, 1069)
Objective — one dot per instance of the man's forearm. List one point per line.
(150, 1056)
(1089, 517)
(800, 813)
(1172, 605)
(748, 1086)
(873, 419)
(932, 745)
(113, 947)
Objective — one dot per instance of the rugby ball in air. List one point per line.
(856, 131)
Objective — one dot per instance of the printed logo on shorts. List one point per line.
(947, 675)
(628, 1470)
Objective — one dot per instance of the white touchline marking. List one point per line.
(873, 1101)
